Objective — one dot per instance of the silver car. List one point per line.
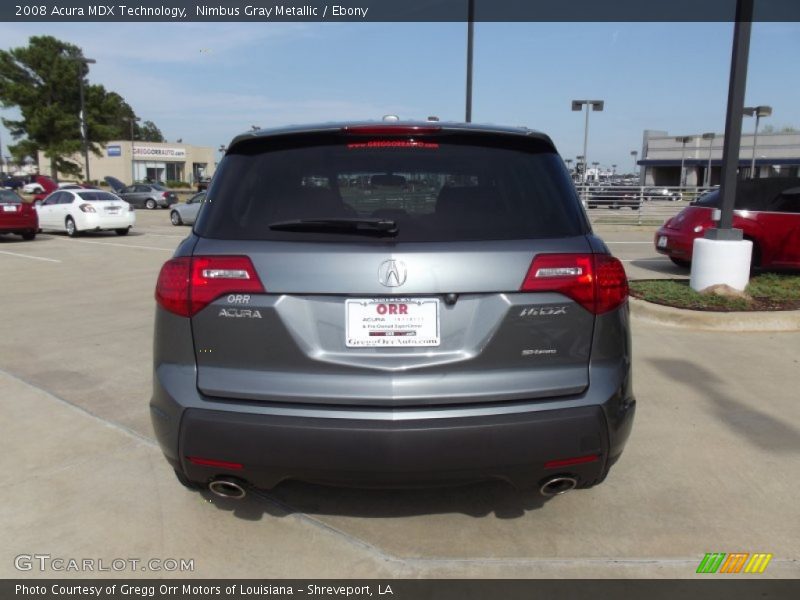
(186, 213)
(392, 304)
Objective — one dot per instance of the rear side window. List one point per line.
(97, 196)
(440, 188)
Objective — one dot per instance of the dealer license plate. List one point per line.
(382, 322)
(662, 241)
(9, 208)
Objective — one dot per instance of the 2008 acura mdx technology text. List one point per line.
(391, 304)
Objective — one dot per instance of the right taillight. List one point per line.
(595, 281)
(186, 285)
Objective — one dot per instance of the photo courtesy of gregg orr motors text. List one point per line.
(47, 563)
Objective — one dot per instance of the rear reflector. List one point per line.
(186, 285)
(595, 281)
(566, 462)
(210, 462)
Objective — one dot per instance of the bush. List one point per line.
(172, 184)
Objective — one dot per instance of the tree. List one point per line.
(42, 80)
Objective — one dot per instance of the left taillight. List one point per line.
(595, 281)
(186, 285)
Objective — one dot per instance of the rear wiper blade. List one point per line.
(373, 226)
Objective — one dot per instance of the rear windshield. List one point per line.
(442, 188)
(9, 196)
(97, 196)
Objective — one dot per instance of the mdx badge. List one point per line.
(543, 311)
(392, 273)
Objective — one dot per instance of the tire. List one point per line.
(150, 204)
(175, 218)
(685, 264)
(187, 483)
(28, 235)
(122, 231)
(755, 257)
(72, 230)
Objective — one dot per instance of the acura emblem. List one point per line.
(392, 273)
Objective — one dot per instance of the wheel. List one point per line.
(72, 231)
(28, 235)
(122, 231)
(187, 483)
(175, 218)
(685, 264)
(150, 204)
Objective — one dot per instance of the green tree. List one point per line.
(148, 132)
(42, 81)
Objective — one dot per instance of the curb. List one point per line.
(782, 320)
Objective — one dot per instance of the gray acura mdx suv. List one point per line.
(391, 304)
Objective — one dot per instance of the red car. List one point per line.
(766, 210)
(48, 185)
(17, 216)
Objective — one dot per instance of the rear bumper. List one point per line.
(391, 447)
(679, 244)
(425, 452)
(10, 223)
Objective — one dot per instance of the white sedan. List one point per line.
(76, 211)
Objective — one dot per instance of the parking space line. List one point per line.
(29, 256)
(649, 243)
(655, 259)
(119, 245)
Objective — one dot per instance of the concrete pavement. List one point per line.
(709, 467)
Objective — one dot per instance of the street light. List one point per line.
(684, 139)
(710, 137)
(133, 120)
(758, 111)
(568, 162)
(84, 131)
(634, 154)
(596, 171)
(577, 105)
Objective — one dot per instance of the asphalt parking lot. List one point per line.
(708, 467)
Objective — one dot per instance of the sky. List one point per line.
(207, 82)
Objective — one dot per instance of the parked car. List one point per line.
(203, 184)
(766, 210)
(186, 213)
(11, 182)
(17, 216)
(76, 212)
(614, 197)
(143, 195)
(662, 193)
(311, 329)
(48, 186)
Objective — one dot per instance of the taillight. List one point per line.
(165, 195)
(186, 285)
(87, 208)
(403, 130)
(595, 281)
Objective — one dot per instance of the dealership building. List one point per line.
(145, 161)
(776, 155)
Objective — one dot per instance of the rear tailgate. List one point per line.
(483, 339)
(421, 303)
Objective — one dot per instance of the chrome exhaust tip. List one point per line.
(227, 488)
(558, 485)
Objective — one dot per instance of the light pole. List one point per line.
(758, 111)
(580, 170)
(133, 120)
(84, 64)
(684, 139)
(613, 171)
(710, 137)
(634, 154)
(470, 38)
(1, 153)
(568, 162)
(577, 105)
(596, 171)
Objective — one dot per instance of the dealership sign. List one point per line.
(114, 150)
(158, 152)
